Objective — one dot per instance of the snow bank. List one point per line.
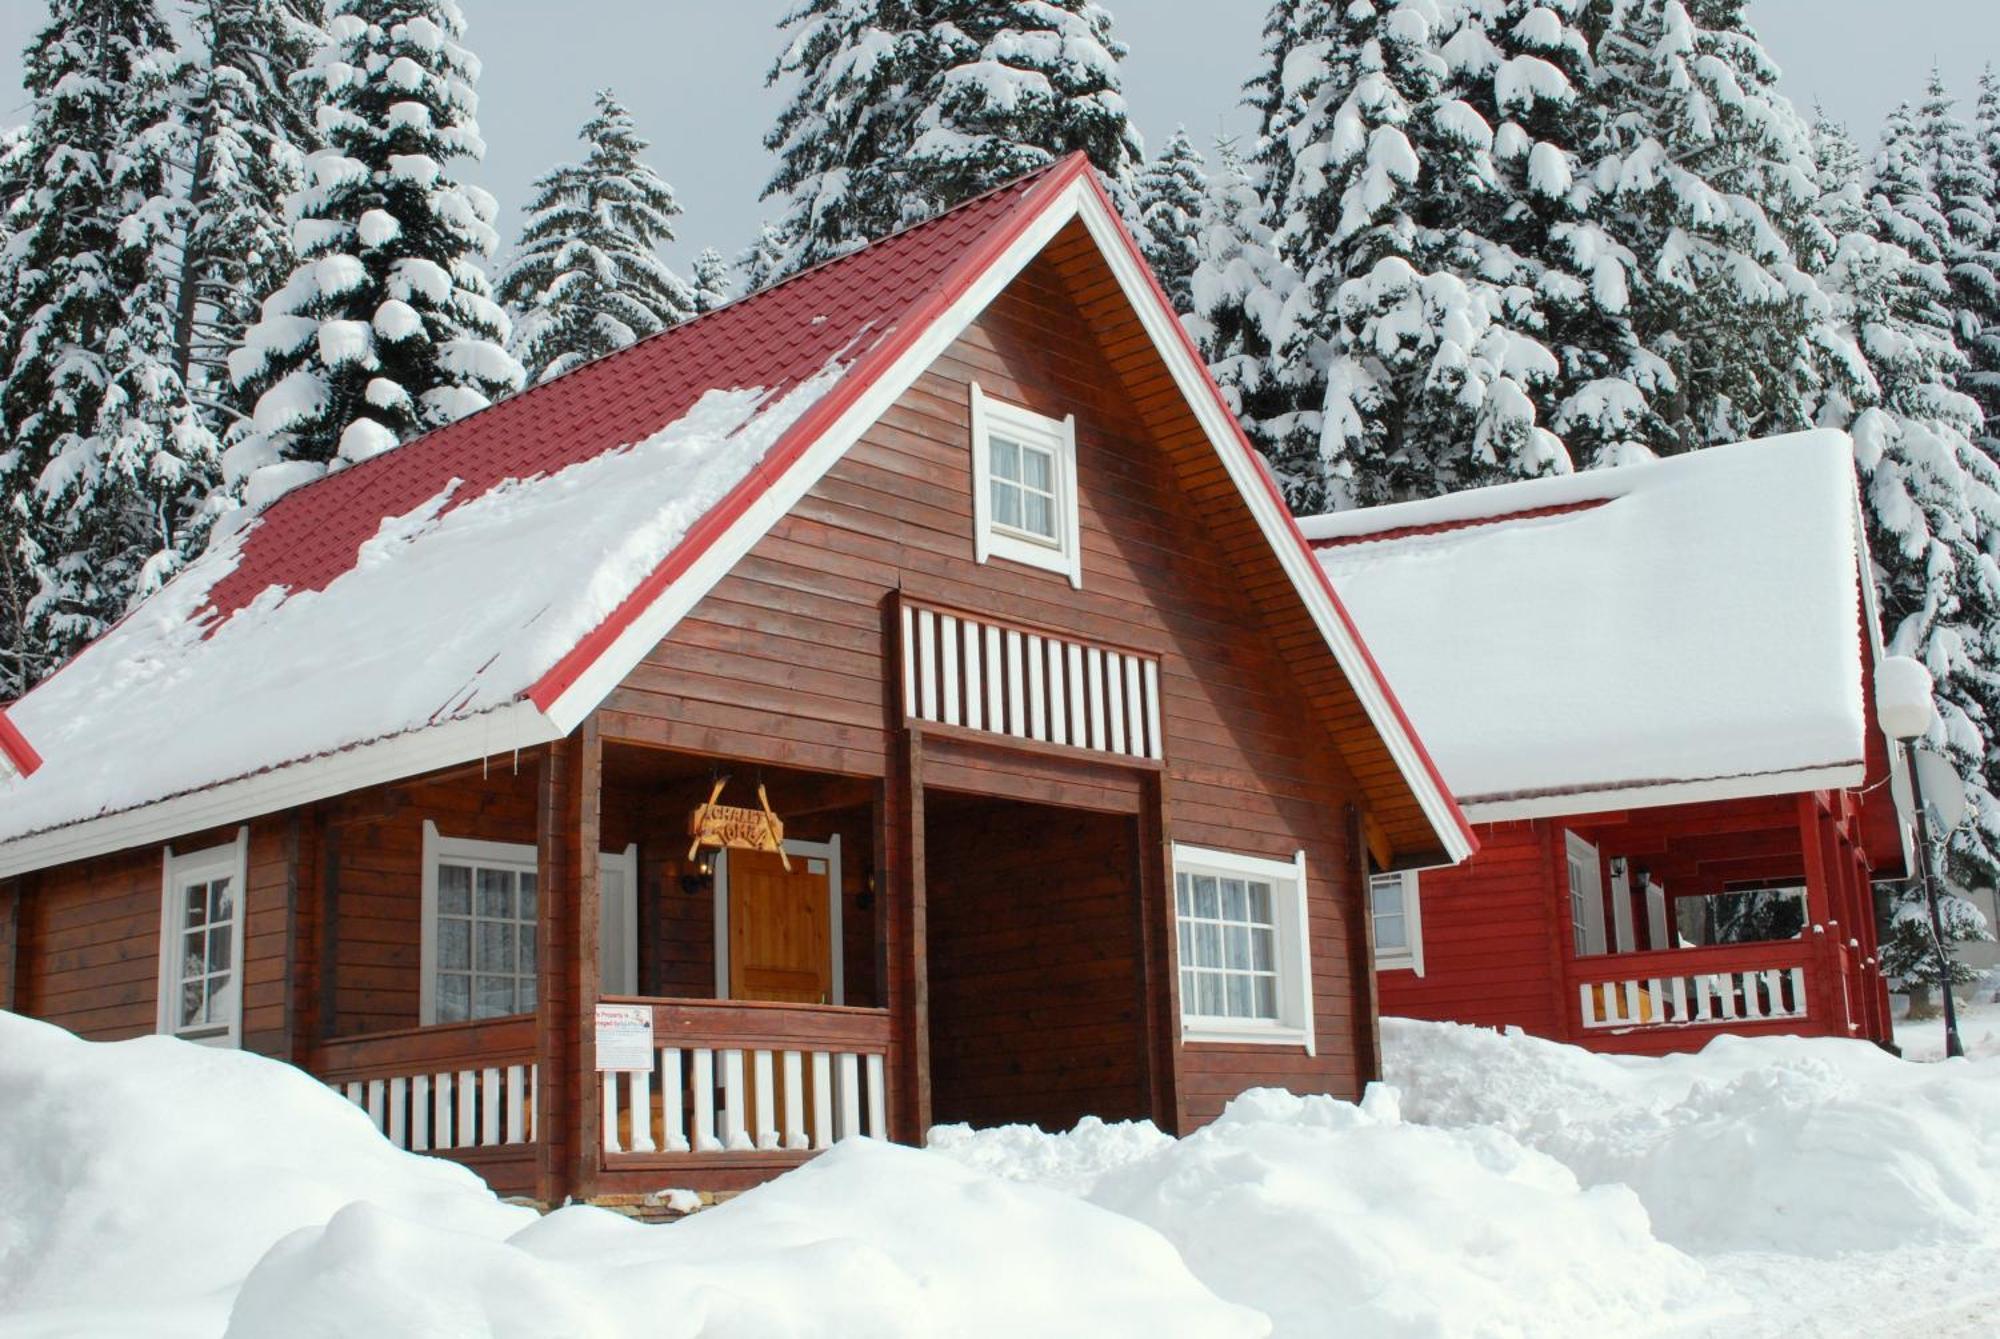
(1810, 1146)
(1338, 1219)
(150, 1175)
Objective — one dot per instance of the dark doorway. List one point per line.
(1034, 961)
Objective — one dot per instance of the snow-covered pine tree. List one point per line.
(763, 261)
(1410, 371)
(1172, 192)
(710, 279)
(1932, 497)
(1703, 162)
(588, 278)
(1964, 166)
(91, 201)
(1238, 289)
(386, 327)
(899, 109)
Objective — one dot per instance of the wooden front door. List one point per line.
(780, 944)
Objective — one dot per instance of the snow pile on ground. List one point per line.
(1341, 1219)
(1811, 1146)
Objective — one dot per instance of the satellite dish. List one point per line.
(1944, 790)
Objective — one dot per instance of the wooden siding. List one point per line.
(1034, 965)
(788, 660)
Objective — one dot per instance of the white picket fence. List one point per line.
(1683, 1000)
(466, 1108)
(745, 1099)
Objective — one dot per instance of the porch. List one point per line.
(1743, 917)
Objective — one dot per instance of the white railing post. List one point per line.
(878, 1107)
(765, 1099)
(673, 1129)
(642, 1110)
(735, 1137)
(610, 1111)
(822, 1086)
(850, 1094)
(517, 1102)
(795, 1103)
(703, 1098)
(420, 1114)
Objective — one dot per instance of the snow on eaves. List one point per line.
(453, 609)
(1702, 622)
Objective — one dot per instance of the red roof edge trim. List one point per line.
(1270, 486)
(1466, 523)
(853, 384)
(20, 753)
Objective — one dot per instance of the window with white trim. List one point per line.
(1024, 487)
(201, 943)
(1399, 927)
(480, 910)
(1245, 973)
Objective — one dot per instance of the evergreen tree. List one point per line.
(1172, 195)
(77, 500)
(710, 280)
(762, 262)
(1972, 201)
(386, 326)
(899, 109)
(587, 278)
(1238, 289)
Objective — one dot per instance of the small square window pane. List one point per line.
(453, 997)
(1235, 905)
(1188, 992)
(527, 946)
(1237, 941)
(1267, 997)
(1205, 900)
(1387, 895)
(1260, 903)
(1239, 996)
(496, 893)
(455, 890)
(1038, 470)
(196, 898)
(220, 907)
(194, 957)
(454, 943)
(493, 951)
(1038, 515)
(1208, 946)
(528, 890)
(1391, 933)
(1181, 896)
(1211, 994)
(221, 998)
(1006, 504)
(1006, 459)
(524, 995)
(493, 996)
(218, 949)
(1264, 950)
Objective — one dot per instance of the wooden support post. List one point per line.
(1562, 941)
(1362, 961)
(11, 892)
(583, 825)
(556, 820)
(1824, 989)
(1159, 976)
(905, 937)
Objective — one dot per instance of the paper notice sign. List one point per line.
(624, 1036)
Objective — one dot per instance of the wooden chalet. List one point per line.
(1649, 688)
(899, 695)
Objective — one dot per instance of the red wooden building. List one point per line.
(948, 549)
(1649, 690)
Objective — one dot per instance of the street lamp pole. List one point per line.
(1927, 872)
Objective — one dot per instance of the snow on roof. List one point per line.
(1683, 628)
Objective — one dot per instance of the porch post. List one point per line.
(1562, 945)
(563, 1161)
(1364, 969)
(10, 936)
(1824, 955)
(1159, 976)
(904, 935)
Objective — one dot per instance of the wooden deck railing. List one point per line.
(743, 1078)
(1715, 986)
(450, 1087)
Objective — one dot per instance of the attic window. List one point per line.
(1024, 487)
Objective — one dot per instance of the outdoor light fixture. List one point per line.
(1903, 705)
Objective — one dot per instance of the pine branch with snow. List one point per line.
(387, 326)
(1173, 191)
(711, 280)
(587, 278)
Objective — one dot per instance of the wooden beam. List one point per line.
(582, 825)
(11, 892)
(555, 807)
(1159, 975)
(1369, 1033)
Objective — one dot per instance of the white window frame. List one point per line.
(829, 851)
(1578, 851)
(1411, 956)
(517, 856)
(618, 924)
(231, 860)
(1057, 437)
(1294, 1026)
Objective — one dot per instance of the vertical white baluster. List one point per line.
(1725, 993)
(1017, 714)
(534, 1099)
(1752, 1006)
(356, 1093)
(948, 636)
(1589, 1005)
(420, 1113)
(1798, 975)
(490, 1118)
(441, 1128)
(399, 1097)
(1680, 1000)
(517, 1104)
(1657, 996)
(1631, 1001)
(673, 1127)
(1114, 683)
(703, 1098)
(822, 1126)
(1038, 708)
(975, 692)
(735, 1137)
(610, 1112)
(927, 694)
(1135, 710)
(376, 1105)
(764, 1099)
(996, 683)
(909, 663)
(1079, 697)
(795, 1102)
(1058, 717)
(878, 1104)
(850, 1094)
(642, 1110)
(1774, 983)
(1155, 745)
(467, 1124)
(1093, 670)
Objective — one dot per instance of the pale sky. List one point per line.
(693, 73)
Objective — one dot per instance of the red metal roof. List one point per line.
(774, 338)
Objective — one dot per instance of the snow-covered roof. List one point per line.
(1679, 629)
(483, 587)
